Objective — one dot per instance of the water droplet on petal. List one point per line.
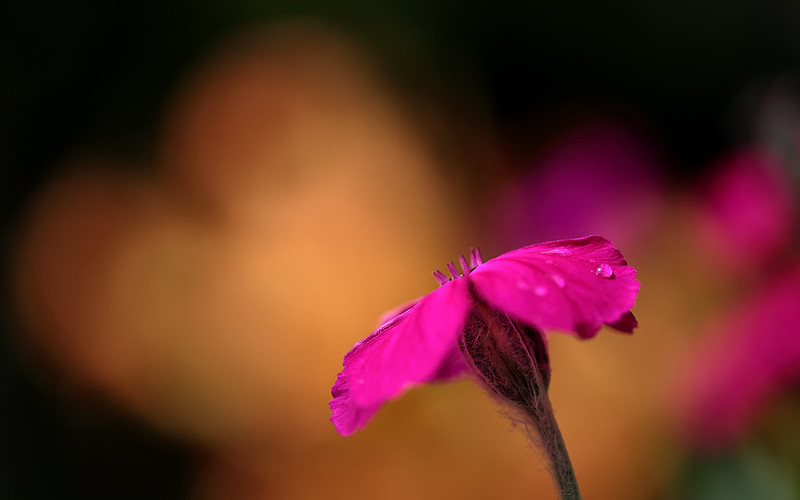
(558, 280)
(523, 285)
(604, 271)
(540, 290)
(549, 262)
(557, 251)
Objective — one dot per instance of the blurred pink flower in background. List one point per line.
(599, 179)
(746, 210)
(745, 224)
(729, 378)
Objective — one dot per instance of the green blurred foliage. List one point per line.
(747, 473)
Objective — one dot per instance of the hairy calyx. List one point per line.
(512, 361)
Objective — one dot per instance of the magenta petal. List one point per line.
(347, 416)
(397, 311)
(626, 323)
(452, 367)
(571, 285)
(414, 347)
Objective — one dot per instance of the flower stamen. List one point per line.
(465, 269)
(441, 277)
(475, 260)
(453, 271)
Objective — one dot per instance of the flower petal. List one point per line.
(572, 285)
(397, 311)
(416, 346)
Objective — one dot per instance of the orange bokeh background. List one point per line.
(294, 196)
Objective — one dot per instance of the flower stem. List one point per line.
(512, 361)
(553, 443)
(536, 404)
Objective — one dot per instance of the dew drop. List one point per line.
(523, 285)
(549, 262)
(557, 251)
(540, 290)
(604, 271)
(558, 280)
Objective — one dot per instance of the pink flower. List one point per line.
(572, 285)
(602, 157)
(747, 210)
(741, 365)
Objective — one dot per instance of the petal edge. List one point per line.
(411, 348)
